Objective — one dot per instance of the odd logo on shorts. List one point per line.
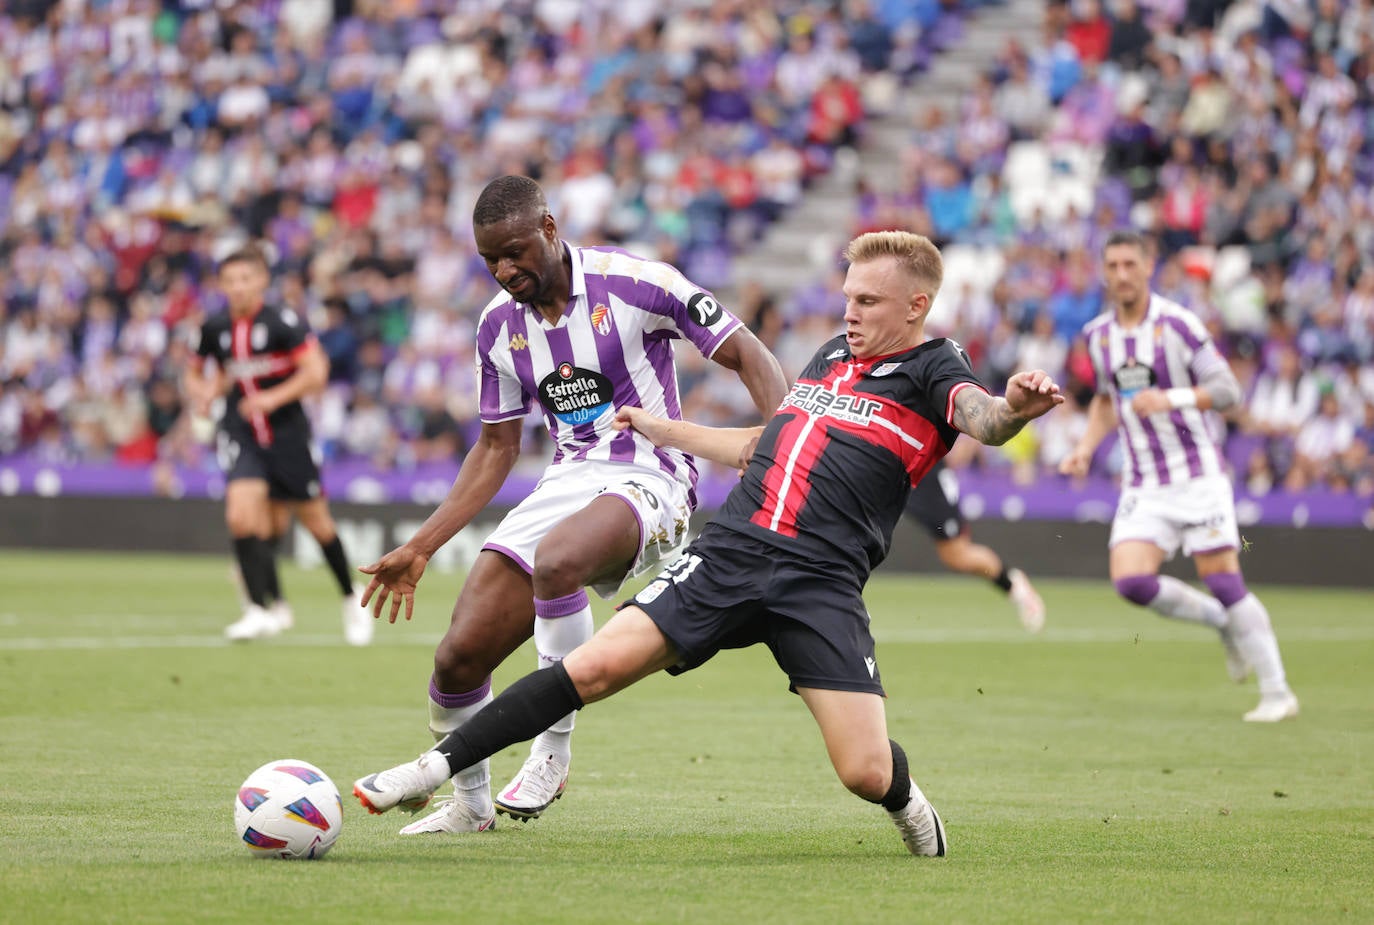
(575, 395)
(1133, 377)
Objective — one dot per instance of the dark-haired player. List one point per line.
(582, 332)
(267, 360)
(1158, 374)
(785, 560)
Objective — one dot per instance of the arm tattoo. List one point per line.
(984, 418)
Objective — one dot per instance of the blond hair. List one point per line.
(916, 253)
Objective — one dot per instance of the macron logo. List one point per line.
(872, 665)
(836, 354)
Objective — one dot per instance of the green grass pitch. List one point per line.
(1098, 772)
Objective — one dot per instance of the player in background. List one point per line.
(583, 331)
(785, 560)
(934, 504)
(1158, 373)
(266, 360)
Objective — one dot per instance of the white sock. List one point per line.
(1182, 601)
(554, 638)
(1256, 640)
(471, 785)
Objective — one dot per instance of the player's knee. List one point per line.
(866, 777)
(557, 570)
(592, 672)
(458, 669)
(1138, 589)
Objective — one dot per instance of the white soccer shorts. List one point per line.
(1199, 515)
(659, 503)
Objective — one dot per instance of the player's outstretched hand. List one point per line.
(647, 424)
(394, 576)
(1031, 394)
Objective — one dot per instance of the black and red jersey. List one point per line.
(257, 353)
(831, 474)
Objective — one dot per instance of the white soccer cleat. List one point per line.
(541, 780)
(256, 623)
(1029, 606)
(407, 786)
(357, 620)
(1236, 665)
(922, 831)
(282, 613)
(452, 816)
(1273, 708)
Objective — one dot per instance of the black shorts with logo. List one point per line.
(287, 464)
(934, 504)
(730, 591)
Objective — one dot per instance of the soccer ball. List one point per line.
(288, 809)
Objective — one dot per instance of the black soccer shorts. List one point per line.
(287, 465)
(730, 591)
(934, 505)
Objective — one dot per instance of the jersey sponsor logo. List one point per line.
(815, 399)
(575, 395)
(601, 319)
(518, 342)
(259, 367)
(704, 310)
(1134, 377)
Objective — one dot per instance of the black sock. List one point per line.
(255, 562)
(899, 792)
(273, 578)
(338, 564)
(1003, 580)
(520, 712)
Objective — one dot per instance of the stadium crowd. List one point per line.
(139, 139)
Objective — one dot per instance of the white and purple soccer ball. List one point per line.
(288, 809)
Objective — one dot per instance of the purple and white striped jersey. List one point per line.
(612, 347)
(1170, 348)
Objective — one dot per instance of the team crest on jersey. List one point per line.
(601, 319)
(259, 337)
(885, 369)
(225, 341)
(1134, 377)
(575, 395)
(518, 342)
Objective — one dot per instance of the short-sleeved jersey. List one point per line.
(830, 476)
(257, 353)
(612, 347)
(1170, 348)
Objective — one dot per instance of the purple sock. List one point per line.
(1227, 587)
(563, 606)
(453, 701)
(1138, 589)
